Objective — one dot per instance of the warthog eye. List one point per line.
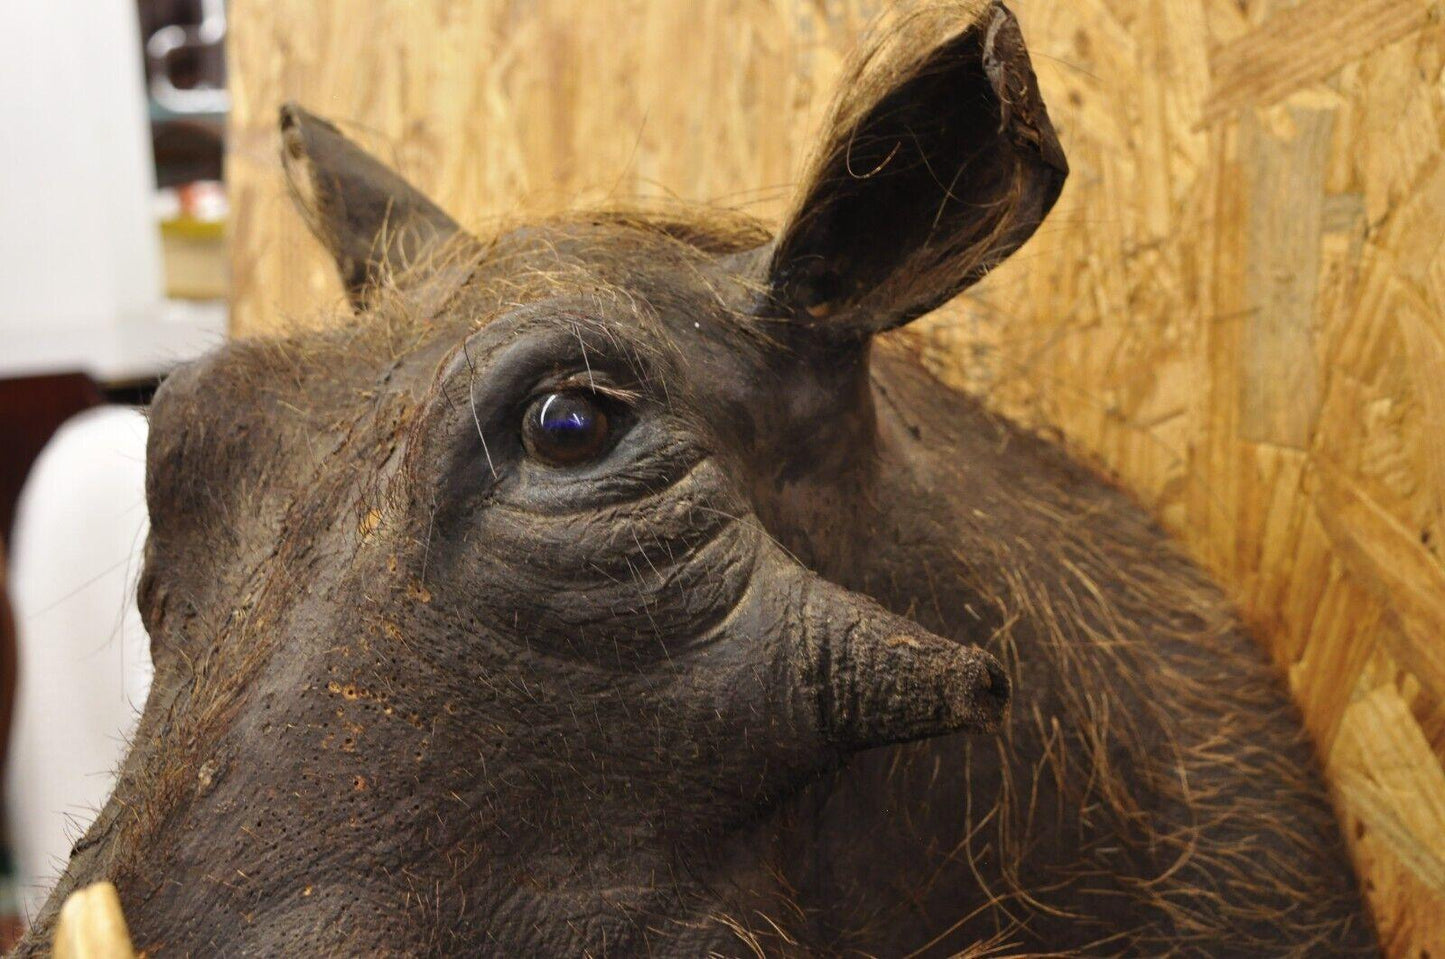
(566, 428)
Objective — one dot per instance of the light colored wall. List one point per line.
(78, 242)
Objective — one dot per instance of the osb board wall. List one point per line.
(1238, 307)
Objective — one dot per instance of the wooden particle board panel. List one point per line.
(1237, 309)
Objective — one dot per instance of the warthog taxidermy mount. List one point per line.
(611, 585)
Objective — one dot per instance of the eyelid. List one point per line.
(592, 384)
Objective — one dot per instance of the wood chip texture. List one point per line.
(1237, 309)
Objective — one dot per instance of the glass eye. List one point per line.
(566, 428)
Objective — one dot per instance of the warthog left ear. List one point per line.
(376, 225)
(938, 164)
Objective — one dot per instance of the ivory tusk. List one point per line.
(92, 926)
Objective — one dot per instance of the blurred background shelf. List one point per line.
(119, 353)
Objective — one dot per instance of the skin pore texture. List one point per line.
(799, 652)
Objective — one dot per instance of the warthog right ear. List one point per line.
(375, 224)
(939, 162)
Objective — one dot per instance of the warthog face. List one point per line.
(471, 620)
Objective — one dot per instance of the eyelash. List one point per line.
(606, 393)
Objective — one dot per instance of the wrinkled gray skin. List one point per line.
(418, 692)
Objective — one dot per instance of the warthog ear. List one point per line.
(375, 224)
(939, 162)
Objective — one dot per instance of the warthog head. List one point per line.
(489, 618)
